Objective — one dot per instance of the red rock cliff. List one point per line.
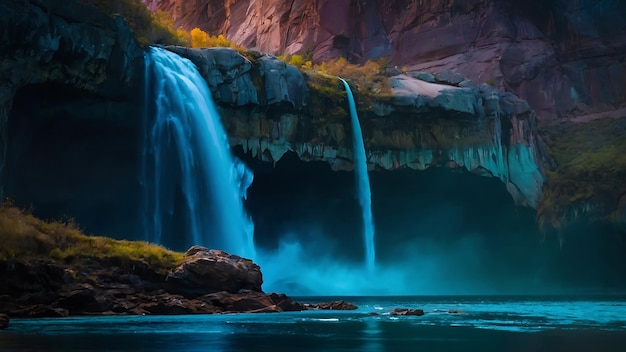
(563, 57)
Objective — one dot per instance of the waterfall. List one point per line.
(363, 182)
(192, 186)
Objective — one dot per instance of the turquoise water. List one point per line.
(479, 324)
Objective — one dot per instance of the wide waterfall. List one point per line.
(193, 187)
(363, 182)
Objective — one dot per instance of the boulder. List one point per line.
(407, 311)
(335, 305)
(4, 321)
(206, 271)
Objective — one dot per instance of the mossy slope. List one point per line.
(591, 171)
(24, 237)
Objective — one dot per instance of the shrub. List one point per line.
(201, 39)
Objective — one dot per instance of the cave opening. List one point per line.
(441, 222)
(458, 231)
(72, 154)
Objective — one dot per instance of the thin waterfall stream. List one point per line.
(193, 188)
(363, 182)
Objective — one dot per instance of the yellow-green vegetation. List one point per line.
(327, 97)
(591, 159)
(24, 237)
(369, 79)
(201, 39)
(149, 28)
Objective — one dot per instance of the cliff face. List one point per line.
(84, 70)
(70, 98)
(270, 108)
(563, 57)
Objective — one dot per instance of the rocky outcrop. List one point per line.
(334, 305)
(204, 270)
(238, 82)
(407, 312)
(561, 56)
(449, 121)
(113, 286)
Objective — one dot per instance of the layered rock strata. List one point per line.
(563, 57)
(270, 108)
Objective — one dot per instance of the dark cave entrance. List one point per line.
(467, 224)
(73, 154)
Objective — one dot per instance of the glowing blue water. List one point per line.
(477, 324)
(191, 182)
(363, 182)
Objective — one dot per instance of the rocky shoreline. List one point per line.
(206, 282)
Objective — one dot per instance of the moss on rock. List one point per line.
(591, 171)
(25, 237)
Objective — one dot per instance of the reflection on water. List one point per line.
(450, 323)
(371, 335)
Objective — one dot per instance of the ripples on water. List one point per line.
(450, 323)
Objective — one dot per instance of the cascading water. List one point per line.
(193, 187)
(363, 182)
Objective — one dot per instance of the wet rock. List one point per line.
(4, 321)
(407, 311)
(283, 83)
(205, 271)
(227, 73)
(249, 301)
(335, 305)
(235, 80)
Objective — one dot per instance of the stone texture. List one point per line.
(423, 124)
(231, 77)
(407, 311)
(204, 270)
(108, 286)
(334, 305)
(561, 56)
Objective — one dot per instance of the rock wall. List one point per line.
(270, 108)
(70, 98)
(563, 57)
(74, 153)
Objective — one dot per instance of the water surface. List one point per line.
(449, 324)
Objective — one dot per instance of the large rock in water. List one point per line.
(206, 270)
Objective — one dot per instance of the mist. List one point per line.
(438, 232)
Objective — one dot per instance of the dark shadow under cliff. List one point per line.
(451, 226)
(73, 154)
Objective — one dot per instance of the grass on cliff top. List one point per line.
(25, 237)
(591, 159)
